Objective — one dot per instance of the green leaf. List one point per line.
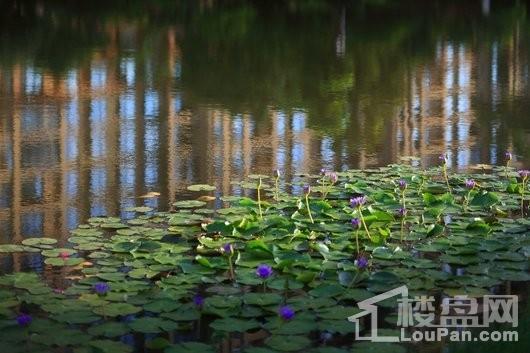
(152, 325)
(189, 204)
(190, 347)
(485, 199)
(116, 309)
(107, 346)
(109, 329)
(39, 242)
(201, 187)
(287, 343)
(234, 325)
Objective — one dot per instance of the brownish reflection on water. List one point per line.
(150, 106)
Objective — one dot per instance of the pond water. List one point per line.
(102, 104)
(108, 106)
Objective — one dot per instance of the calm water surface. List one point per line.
(103, 104)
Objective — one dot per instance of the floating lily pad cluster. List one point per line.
(285, 269)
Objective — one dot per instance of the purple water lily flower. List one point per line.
(402, 184)
(471, 184)
(286, 313)
(101, 288)
(198, 300)
(333, 177)
(227, 249)
(361, 262)
(508, 155)
(356, 222)
(264, 271)
(358, 201)
(524, 173)
(307, 189)
(24, 320)
(402, 212)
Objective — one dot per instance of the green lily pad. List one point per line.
(70, 261)
(140, 209)
(189, 204)
(39, 242)
(116, 309)
(152, 325)
(201, 187)
(108, 346)
(109, 329)
(262, 299)
(190, 347)
(8, 248)
(234, 325)
(288, 343)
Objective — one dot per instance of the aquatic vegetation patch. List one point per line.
(288, 268)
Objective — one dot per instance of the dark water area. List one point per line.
(103, 103)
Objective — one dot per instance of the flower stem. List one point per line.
(466, 199)
(420, 188)
(523, 189)
(446, 177)
(357, 240)
(324, 188)
(364, 224)
(402, 226)
(308, 209)
(231, 268)
(259, 199)
(277, 191)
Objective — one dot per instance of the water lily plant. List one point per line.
(228, 251)
(402, 214)
(24, 320)
(470, 185)
(508, 158)
(101, 288)
(523, 174)
(259, 198)
(402, 186)
(307, 191)
(361, 262)
(356, 224)
(286, 313)
(443, 158)
(277, 175)
(146, 272)
(357, 204)
(198, 301)
(264, 271)
(327, 181)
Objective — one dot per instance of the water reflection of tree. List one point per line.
(250, 58)
(247, 69)
(250, 55)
